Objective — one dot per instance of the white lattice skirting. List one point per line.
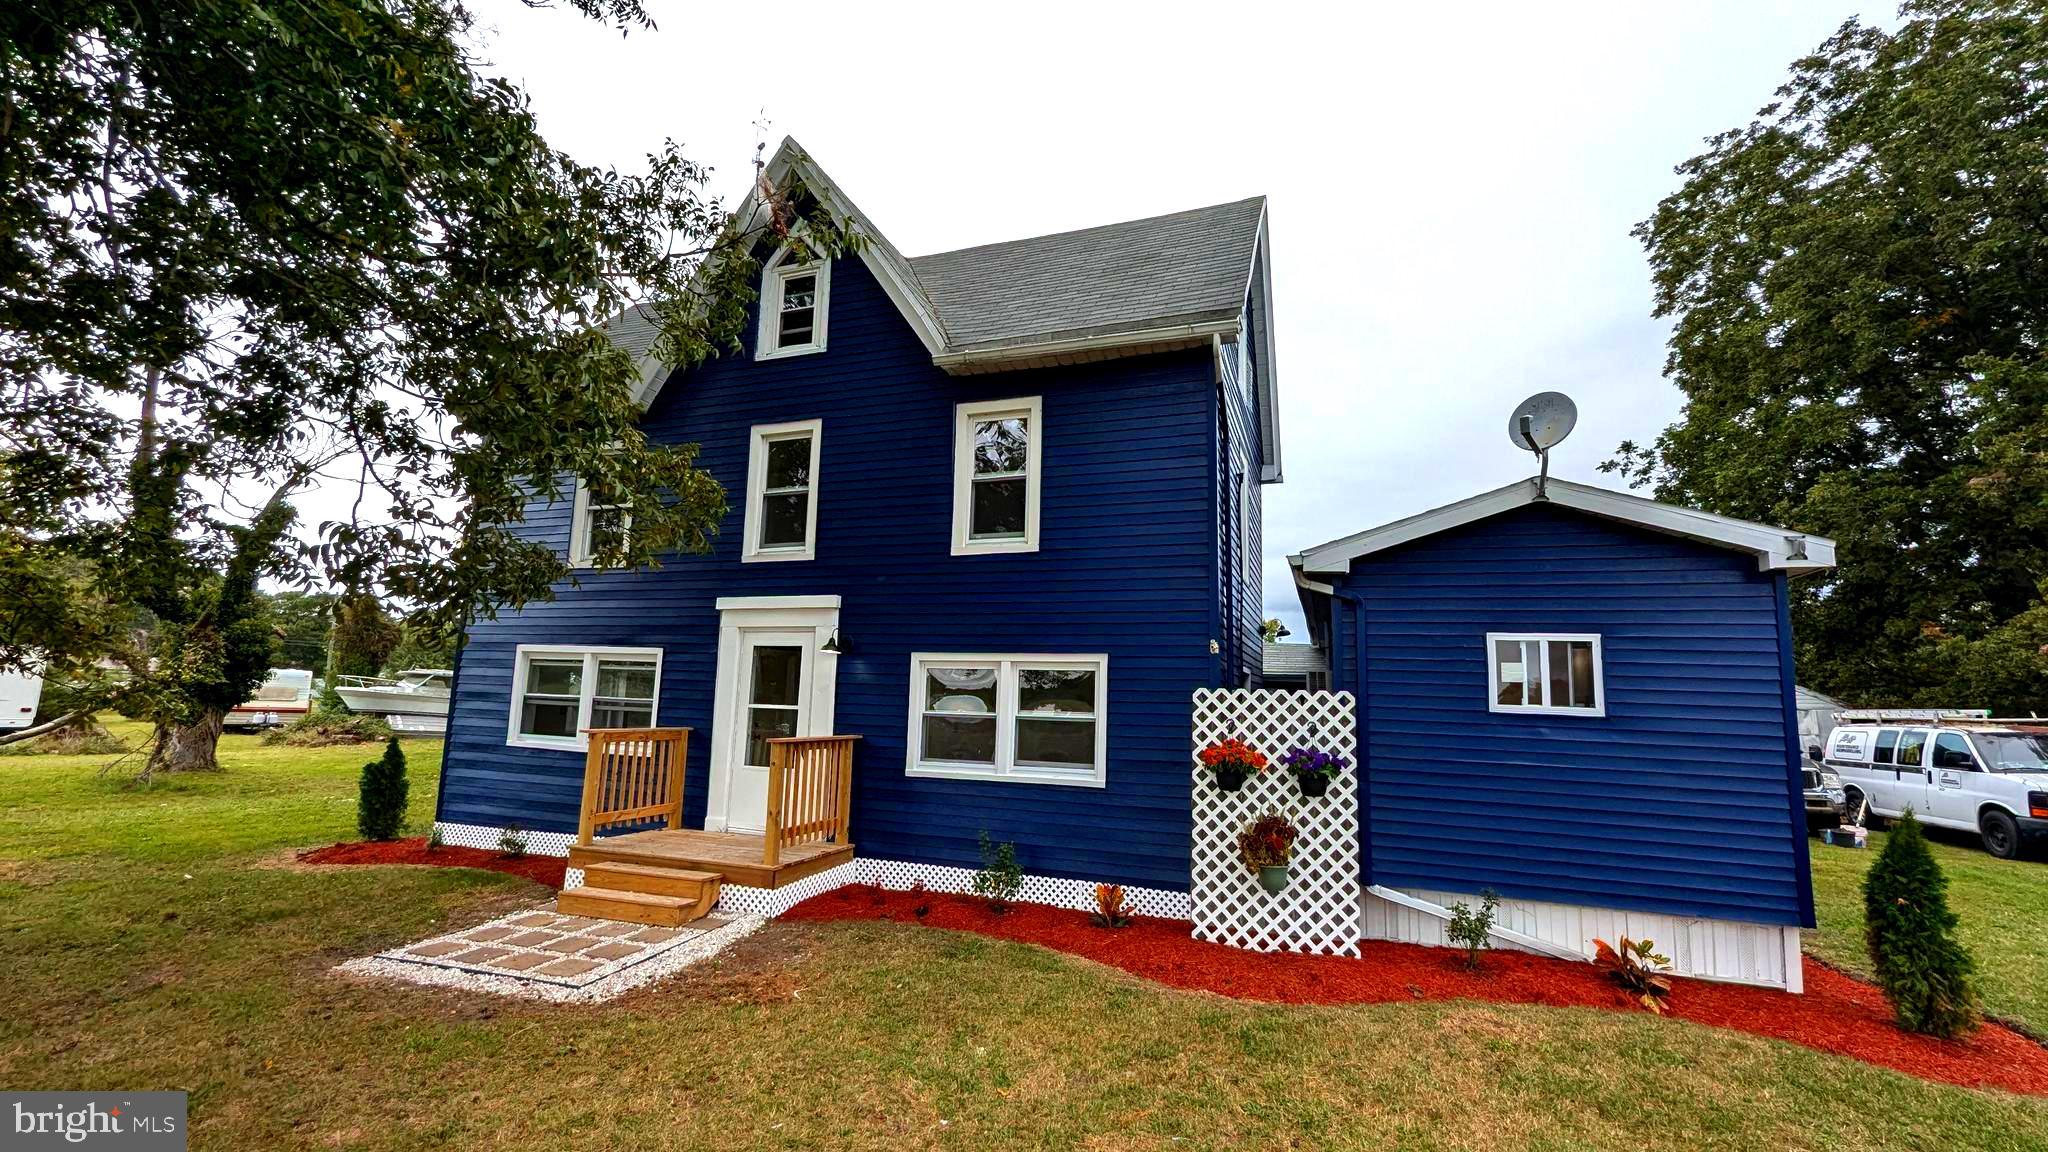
(1318, 911)
(1728, 950)
(491, 838)
(1057, 891)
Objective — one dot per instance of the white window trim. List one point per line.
(757, 478)
(964, 418)
(526, 652)
(579, 527)
(1493, 703)
(770, 324)
(1005, 767)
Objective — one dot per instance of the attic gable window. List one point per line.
(794, 297)
(998, 446)
(599, 522)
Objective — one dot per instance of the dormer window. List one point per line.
(793, 301)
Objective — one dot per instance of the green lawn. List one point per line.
(2003, 905)
(161, 939)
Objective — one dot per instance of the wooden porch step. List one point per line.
(632, 907)
(624, 876)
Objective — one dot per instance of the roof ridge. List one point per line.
(1184, 212)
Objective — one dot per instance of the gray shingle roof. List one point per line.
(1181, 268)
(634, 329)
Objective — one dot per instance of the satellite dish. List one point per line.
(1539, 424)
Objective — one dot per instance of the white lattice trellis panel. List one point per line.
(1318, 910)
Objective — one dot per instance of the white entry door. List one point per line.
(771, 699)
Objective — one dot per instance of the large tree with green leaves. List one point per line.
(1859, 282)
(248, 248)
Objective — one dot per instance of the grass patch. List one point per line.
(2003, 906)
(148, 945)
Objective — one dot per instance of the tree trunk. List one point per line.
(190, 747)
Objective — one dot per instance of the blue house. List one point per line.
(1583, 701)
(994, 513)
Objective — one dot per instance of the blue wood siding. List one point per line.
(1680, 800)
(1125, 566)
(1238, 514)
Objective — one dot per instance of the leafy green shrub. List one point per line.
(1924, 972)
(434, 839)
(999, 877)
(512, 842)
(381, 795)
(1472, 929)
(324, 728)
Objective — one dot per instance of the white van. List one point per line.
(20, 693)
(1962, 771)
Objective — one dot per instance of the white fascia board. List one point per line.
(965, 362)
(1268, 368)
(1776, 549)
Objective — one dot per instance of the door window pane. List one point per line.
(1952, 751)
(960, 737)
(777, 670)
(763, 724)
(1059, 743)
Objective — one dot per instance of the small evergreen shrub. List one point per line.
(380, 798)
(1472, 929)
(435, 839)
(512, 842)
(1924, 972)
(999, 877)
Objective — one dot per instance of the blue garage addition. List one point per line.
(1574, 697)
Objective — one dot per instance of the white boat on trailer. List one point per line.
(416, 700)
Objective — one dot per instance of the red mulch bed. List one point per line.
(1837, 1014)
(539, 869)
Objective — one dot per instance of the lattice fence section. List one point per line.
(1058, 891)
(1318, 910)
(738, 900)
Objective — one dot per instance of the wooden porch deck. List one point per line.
(737, 856)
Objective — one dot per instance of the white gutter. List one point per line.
(1519, 939)
(1196, 333)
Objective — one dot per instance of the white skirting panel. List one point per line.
(1730, 950)
(1057, 891)
(491, 838)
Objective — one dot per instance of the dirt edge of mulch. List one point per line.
(546, 870)
(1838, 1014)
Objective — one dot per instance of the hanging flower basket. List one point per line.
(1232, 762)
(1313, 768)
(1265, 846)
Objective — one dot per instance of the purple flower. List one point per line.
(1313, 762)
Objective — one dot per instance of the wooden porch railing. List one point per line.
(632, 775)
(810, 793)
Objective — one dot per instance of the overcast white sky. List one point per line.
(1451, 186)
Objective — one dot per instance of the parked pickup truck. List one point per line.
(1826, 802)
(1962, 771)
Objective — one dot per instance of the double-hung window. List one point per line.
(1029, 718)
(558, 692)
(782, 491)
(600, 525)
(793, 299)
(1545, 672)
(998, 447)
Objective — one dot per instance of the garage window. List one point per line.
(1545, 672)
